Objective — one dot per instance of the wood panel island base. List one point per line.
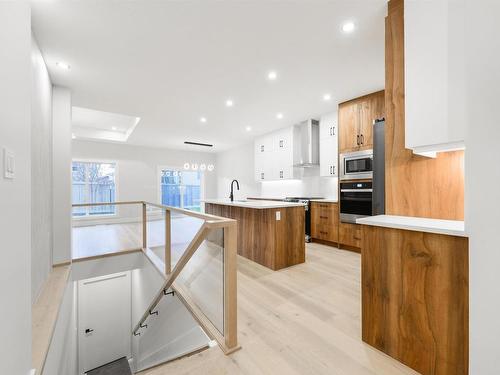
(271, 234)
(415, 298)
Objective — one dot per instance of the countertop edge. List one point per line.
(392, 223)
(254, 205)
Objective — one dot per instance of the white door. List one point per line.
(104, 320)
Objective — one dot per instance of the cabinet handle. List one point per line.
(357, 139)
(281, 143)
(362, 139)
(261, 148)
(333, 168)
(330, 169)
(281, 174)
(333, 130)
(323, 217)
(323, 232)
(262, 176)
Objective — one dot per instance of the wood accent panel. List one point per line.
(414, 185)
(325, 221)
(350, 235)
(265, 240)
(415, 298)
(356, 121)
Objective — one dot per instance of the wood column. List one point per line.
(414, 185)
(230, 286)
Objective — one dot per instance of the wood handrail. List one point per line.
(184, 259)
(199, 215)
(227, 341)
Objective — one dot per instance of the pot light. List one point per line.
(203, 119)
(229, 103)
(186, 166)
(348, 27)
(63, 65)
(248, 128)
(210, 167)
(114, 128)
(272, 75)
(203, 167)
(279, 116)
(327, 97)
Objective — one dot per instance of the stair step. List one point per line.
(118, 367)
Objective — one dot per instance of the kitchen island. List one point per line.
(270, 233)
(415, 297)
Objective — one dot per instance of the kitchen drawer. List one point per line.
(350, 234)
(324, 221)
(326, 233)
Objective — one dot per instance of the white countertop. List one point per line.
(326, 200)
(419, 224)
(253, 203)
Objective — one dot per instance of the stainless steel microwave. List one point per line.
(356, 165)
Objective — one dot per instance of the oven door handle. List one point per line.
(356, 190)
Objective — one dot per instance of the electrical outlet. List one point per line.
(278, 215)
(8, 164)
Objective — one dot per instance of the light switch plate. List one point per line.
(278, 215)
(8, 164)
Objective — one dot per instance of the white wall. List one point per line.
(482, 181)
(62, 358)
(238, 163)
(138, 167)
(15, 194)
(61, 172)
(41, 172)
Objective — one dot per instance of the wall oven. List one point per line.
(355, 200)
(356, 165)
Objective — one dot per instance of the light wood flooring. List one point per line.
(300, 320)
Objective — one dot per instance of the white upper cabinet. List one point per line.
(328, 145)
(274, 156)
(434, 75)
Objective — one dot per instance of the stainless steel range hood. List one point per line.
(306, 144)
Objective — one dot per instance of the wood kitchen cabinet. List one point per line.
(350, 235)
(325, 221)
(356, 119)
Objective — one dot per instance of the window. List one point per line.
(181, 188)
(93, 182)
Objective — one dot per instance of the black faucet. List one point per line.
(231, 196)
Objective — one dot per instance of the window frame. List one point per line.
(117, 207)
(179, 169)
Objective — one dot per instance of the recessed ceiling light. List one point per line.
(279, 116)
(348, 27)
(203, 119)
(229, 103)
(327, 97)
(114, 128)
(248, 128)
(63, 65)
(272, 75)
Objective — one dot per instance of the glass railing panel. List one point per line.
(202, 279)
(170, 331)
(155, 230)
(115, 230)
(183, 229)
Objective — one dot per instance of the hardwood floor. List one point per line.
(304, 319)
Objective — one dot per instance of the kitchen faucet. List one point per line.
(231, 196)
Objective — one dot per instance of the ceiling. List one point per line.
(99, 125)
(172, 62)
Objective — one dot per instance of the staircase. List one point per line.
(119, 367)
